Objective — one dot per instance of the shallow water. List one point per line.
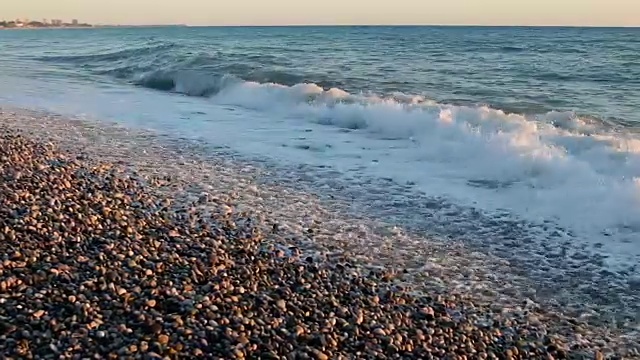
(524, 133)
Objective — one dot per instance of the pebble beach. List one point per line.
(116, 244)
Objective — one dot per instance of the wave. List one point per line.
(551, 165)
(206, 75)
(167, 66)
(574, 171)
(552, 156)
(131, 53)
(189, 78)
(204, 72)
(559, 166)
(189, 83)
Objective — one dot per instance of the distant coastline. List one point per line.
(44, 24)
(79, 26)
(20, 25)
(46, 28)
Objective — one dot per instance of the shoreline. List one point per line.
(558, 273)
(49, 28)
(436, 267)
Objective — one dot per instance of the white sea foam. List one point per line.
(551, 166)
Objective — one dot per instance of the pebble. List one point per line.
(319, 355)
(100, 248)
(163, 339)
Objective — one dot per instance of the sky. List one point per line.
(330, 12)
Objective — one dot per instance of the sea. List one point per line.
(479, 134)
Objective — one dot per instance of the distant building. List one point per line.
(26, 23)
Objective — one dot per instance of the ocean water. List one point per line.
(485, 134)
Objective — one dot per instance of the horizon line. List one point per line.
(369, 25)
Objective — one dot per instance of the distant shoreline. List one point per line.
(325, 26)
(89, 27)
(47, 28)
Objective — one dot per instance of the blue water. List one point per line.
(594, 72)
(536, 123)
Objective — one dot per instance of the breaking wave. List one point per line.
(578, 170)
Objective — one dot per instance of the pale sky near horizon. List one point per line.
(301, 12)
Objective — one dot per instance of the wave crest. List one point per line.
(191, 83)
(131, 53)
